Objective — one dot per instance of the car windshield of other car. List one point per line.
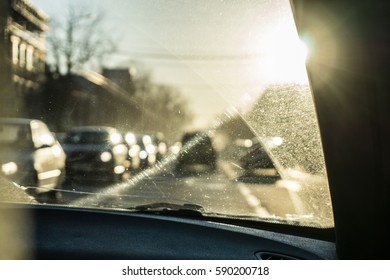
(202, 103)
(88, 137)
(14, 136)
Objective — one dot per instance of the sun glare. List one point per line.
(285, 56)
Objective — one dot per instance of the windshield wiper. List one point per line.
(171, 209)
(197, 211)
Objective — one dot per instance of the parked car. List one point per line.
(95, 152)
(31, 156)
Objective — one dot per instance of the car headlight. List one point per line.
(115, 138)
(9, 168)
(105, 156)
(152, 159)
(151, 149)
(133, 151)
(57, 151)
(143, 154)
(119, 149)
(130, 138)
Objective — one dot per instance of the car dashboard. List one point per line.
(58, 232)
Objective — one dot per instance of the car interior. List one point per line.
(347, 71)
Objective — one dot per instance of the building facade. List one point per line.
(22, 62)
(122, 77)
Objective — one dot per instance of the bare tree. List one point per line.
(168, 110)
(78, 39)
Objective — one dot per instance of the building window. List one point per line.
(30, 58)
(15, 49)
(22, 55)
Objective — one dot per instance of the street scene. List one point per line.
(215, 192)
(110, 106)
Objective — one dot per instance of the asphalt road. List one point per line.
(228, 190)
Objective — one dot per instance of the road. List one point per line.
(227, 191)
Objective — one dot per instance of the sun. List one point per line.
(284, 55)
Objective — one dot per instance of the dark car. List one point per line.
(197, 154)
(255, 157)
(94, 151)
(30, 155)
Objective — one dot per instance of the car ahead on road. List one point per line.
(160, 144)
(155, 146)
(141, 151)
(31, 156)
(197, 154)
(134, 147)
(255, 157)
(95, 152)
(148, 149)
(254, 162)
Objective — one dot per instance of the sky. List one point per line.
(220, 54)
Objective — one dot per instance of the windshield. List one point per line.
(14, 134)
(202, 103)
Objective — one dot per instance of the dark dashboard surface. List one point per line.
(68, 233)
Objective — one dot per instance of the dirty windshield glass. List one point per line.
(162, 104)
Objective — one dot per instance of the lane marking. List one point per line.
(293, 188)
(253, 201)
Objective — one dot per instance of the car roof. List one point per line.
(201, 134)
(94, 129)
(19, 121)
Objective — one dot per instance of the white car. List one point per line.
(31, 156)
